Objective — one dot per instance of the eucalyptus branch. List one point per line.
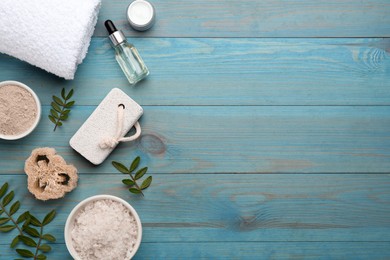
(26, 231)
(61, 108)
(39, 243)
(9, 216)
(132, 183)
(10, 213)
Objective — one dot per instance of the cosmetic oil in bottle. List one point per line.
(126, 55)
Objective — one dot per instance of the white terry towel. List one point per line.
(51, 34)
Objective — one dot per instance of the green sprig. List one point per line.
(25, 224)
(60, 108)
(132, 182)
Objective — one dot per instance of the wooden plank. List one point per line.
(239, 250)
(232, 139)
(229, 72)
(248, 18)
(238, 207)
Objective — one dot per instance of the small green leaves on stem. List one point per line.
(3, 189)
(25, 223)
(135, 191)
(141, 173)
(132, 182)
(128, 182)
(49, 238)
(146, 183)
(120, 167)
(7, 221)
(28, 241)
(38, 235)
(48, 218)
(60, 108)
(135, 164)
(31, 231)
(25, 253)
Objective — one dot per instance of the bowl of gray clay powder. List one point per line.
(20, 110)
(103, 227)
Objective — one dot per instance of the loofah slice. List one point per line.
(49, 177)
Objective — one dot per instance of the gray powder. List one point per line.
(18, 110)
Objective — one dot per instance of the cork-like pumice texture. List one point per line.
(49, 176)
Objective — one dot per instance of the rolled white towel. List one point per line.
(51, 34)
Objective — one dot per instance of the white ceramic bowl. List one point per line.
(81, 205)
(34, 125)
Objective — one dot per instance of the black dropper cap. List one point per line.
(110, 26)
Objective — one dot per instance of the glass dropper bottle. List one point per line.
(126, 55)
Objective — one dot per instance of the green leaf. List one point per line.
(63, 117)
(31, 231)
(135, 164)
(69, 104)
(120, 167)
(128, 182)
(59, 113)
(135, 190)
(3, 189)
(66, 112)
(26, 222)
(70, 94)
(8, 198)
(141, 173)
(54, 113)
(45, 248)
(146, 183)
(58, 101)
(23, 217)
(28, 241)
(34, 221)
(63, 95)
(49, 217)
(49, 238)
(25, 253)
(52, 119)
(7, 228)
(14, 242)
(15, 207)
(4, 220)
(41, 257)
(55, 107)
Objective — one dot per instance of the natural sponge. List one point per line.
(49, 177)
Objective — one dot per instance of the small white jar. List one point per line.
(30, 128)
(141, 15)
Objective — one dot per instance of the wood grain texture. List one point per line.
(232, 139)
(260, 148)
(237, 207)
(266, 18)
(229, 72)
(241, 250)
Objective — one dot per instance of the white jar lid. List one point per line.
(141, 15)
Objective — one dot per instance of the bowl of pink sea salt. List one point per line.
(103, 227)
(20, 110)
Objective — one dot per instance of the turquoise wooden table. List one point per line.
(266, 130)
